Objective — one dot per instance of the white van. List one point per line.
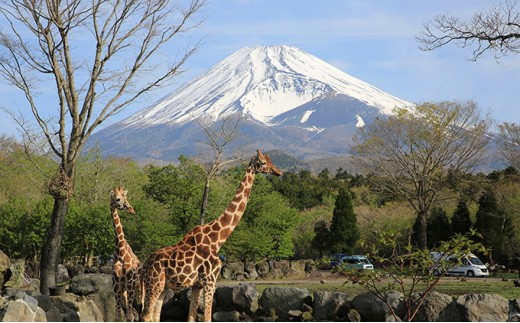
(469, 266)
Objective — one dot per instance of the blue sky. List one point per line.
(371, 40)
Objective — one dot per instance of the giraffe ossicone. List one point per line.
(194, 260)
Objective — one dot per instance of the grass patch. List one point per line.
(452, 286)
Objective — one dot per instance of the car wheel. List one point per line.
(470, 273)
(436, 272)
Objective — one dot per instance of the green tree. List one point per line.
(266, 228)
(180, 189)
(321, 240)
(494, 225)
(344, 231)
(439, 229)
(461, 220)
(411, 153)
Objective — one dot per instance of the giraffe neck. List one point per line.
(234, 211)
(118, 228)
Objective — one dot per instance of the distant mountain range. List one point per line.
(287, 100)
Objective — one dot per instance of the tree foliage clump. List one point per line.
(344, 231)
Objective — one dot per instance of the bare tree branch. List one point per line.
(497, 30)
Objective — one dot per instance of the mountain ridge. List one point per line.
(288, 99)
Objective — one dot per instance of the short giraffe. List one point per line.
(194, 260)
(126, 264)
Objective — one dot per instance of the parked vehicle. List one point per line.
(356, 262)
(335, 259)
(469, 266)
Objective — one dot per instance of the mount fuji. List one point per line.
(285, 98)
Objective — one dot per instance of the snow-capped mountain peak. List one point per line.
(260, 83)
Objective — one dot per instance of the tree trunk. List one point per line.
(422, 240)
(51, 249)
(204, 204)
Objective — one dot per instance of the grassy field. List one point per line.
(454, 286)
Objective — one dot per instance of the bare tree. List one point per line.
(510, 148)
(496, 29)
(219, 135)
(94, 58)
(412, 153)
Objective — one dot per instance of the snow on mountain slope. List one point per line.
(260, 83)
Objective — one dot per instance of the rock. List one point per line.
(44, 302)
(86, 284)
(437, 307)
(4, 260)
(483, 307)
(279, 269)
(99, 289)
(281, 300)
(230, 270)
(330, 305)
(373, 309)
(250, 269)
(243, 298)
(353, 316)
(17, 278)
(20, 311)
(62, 275)
(77, 309)
(225, 316)
(262, 268)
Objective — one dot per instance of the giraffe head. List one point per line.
(119, 200)
(262, 164)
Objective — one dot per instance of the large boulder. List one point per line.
(330, 306)
(373, 309)
(250, 269)
(22, 310)
(17, 278)
(483, 307)
(71, 308)
(243, 298)
(233, 270)
(281, 300)
(437, 307)
(99, 289)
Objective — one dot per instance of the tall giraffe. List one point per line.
(194, 260)
(126, 267)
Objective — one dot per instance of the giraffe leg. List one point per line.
(158, 307)
(209, 290)
(118, 292)
(130, 290)
(194, 303)
(153, 292)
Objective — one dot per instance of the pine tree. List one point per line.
(344, 231)
(461, 221)
(321, 240)
(439, 228)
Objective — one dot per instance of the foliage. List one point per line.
(22, 227)
(344, 231)
(461, 220)
(439, 228)
(265, 230)
(179, 188)
(410, 269)
(495, 226)
(321, 240)
(303, 190)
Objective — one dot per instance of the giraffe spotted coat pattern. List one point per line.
(194, 260)
(126, 267)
